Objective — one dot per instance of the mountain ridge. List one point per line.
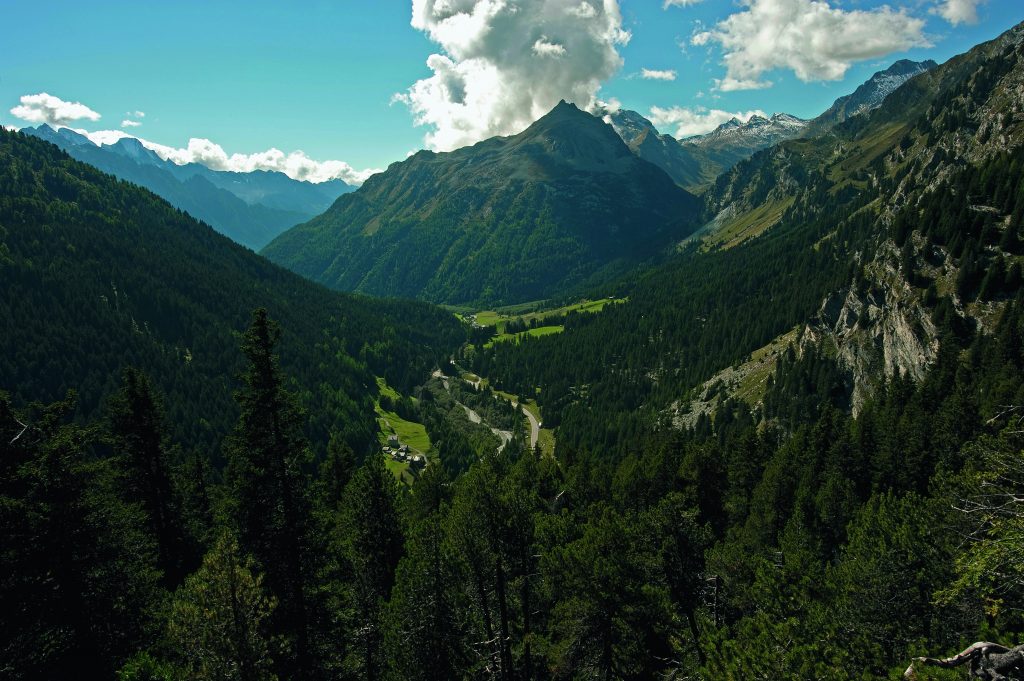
(251, 209)
(560, 205)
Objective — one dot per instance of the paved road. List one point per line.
(505, 435)
(534, 425)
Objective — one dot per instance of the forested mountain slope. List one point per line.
(837, 200)
(99, 274)
(507, 220)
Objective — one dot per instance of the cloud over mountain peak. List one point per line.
(505, 64)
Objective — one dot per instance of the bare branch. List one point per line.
(24, 427)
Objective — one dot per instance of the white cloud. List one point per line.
(54, 111)
(653, 74)
(958, 12)
(810, 37)
(584, 10)
(295, 165)
(679, 3)
(138, 114)
(504, 64)
(689, 122)
(128, 123)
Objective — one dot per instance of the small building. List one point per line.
(417, 462)
(393, 441)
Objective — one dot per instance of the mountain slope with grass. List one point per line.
(559, 206)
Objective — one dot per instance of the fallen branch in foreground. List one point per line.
(989, 662)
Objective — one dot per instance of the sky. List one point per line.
(342, 88)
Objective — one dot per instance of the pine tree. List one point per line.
(78, 581)
(423, 637)
(218, 621)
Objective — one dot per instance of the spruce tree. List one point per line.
(372, 542)
(78, 582)
(138, 434)
(268, 493)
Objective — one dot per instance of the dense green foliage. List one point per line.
(692, 556)
(559, 206)
(99, 275)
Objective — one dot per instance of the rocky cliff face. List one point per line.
(880, 330)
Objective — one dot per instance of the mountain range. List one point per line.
(694, 162)
(563, 205)
(250, 208)
(867, 247)
(567, 204)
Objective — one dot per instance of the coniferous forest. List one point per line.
(789, 452)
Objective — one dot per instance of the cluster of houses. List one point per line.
(401, 453)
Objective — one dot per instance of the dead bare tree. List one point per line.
(988, 661)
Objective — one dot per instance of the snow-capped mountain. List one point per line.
(757, 133)
(869, 95)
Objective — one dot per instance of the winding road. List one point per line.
(534, 425)
(505, 435)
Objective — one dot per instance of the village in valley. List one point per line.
(402, 453)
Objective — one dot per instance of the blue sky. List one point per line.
(321, 77)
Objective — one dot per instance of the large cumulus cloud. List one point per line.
(810, 37)
(504, 63)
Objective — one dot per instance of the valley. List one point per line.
(586, 400)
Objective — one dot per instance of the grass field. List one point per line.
(528, 312)
(401, 471)
(748, 225)
(408, 432)
(546, 441)
(385, 389)
(538, 331)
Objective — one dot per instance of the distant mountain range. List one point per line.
(250, 208)
(694, 162)
(561, 205)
